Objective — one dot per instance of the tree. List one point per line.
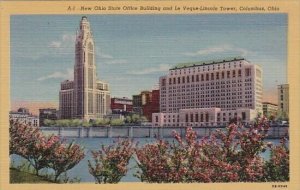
(116, 122)
(109, 163)
(64, 157)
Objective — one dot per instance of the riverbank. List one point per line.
(275, 132)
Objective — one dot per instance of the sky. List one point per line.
(133, 51)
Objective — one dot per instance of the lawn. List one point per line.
(17, 176)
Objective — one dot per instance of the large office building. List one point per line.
(86, 97)
(210, 93)
(283, 98)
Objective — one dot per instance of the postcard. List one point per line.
(149, 94)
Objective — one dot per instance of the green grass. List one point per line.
(17, 176)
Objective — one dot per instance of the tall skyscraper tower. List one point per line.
(86, 97)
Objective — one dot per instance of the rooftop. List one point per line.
(207, 62)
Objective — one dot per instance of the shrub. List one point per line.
(232, 155)
(64, 158)
(277, 168)
(109, 164)
(43, 151)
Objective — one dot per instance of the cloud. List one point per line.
(66, 40)
(116, 62)
(218, 49)
(59, 75)
(160, 68)
(55, 44)
(100, 54)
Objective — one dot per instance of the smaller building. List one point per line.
(270, 109)
(146, 103)
(283, 98)
(140, 100)
(121, 106)
(203, 117)
(23, 116)
(47, 113)
(152, 106)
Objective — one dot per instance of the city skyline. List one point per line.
(133, 51)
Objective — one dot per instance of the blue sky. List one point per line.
(132, 51)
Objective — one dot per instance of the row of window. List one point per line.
(207, 77)
(208, 67)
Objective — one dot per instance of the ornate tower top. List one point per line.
(84, 29)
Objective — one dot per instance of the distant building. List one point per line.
(23, 110)
(23, 116)
(86, 97)
(146, 103)
(140, 100)
(270, 109)
(47, 113)
(209, 93)
(283, 98)
(152, 106)
(121, 105)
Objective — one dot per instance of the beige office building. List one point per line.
(86, 97)
(219, 90)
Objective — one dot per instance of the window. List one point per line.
(170, 81)
(212, 76)
(192, 78)
(240, 73)
(223, 75)
(188, 79)
(207, 77)
(90, 59)
(206, 117)
(197, 117)
(156, 118)
(248, 72)
(163, 82)
(183, 79)
(217, 75)
(228, 74)
(178, 80)
(243, 116)
(201, 117)
(186, 118)
(197, 78)
(192, 118)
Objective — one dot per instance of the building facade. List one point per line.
(223, 89)
(86, 97)
(283, 98)
(47, 113)
(140, 100)
(152, 105)
(270, 109)
(23, 116)
(121, 105)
